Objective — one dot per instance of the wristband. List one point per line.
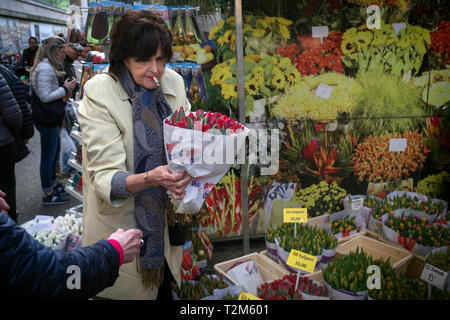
(145, 178)
(118, 247)
(65, 89)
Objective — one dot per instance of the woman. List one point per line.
(46, 79)
(125, 176)
(10, 125)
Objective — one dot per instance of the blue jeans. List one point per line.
(50, 147)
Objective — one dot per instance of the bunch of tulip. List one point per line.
(211, 283)
(344, 225)
(282, 289)
(440, 259)
(189, 290)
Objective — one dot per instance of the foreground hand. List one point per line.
(174, 182)
(130, 241)
(4, 207)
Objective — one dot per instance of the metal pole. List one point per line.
(241, 92)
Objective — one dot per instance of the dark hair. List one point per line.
(138, 34)
(32, 38)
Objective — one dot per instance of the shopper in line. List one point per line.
(47, 102)
(10, 125)
(125, 176)
(29, 269)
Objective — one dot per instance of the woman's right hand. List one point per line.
(176, 183)
(70, 85)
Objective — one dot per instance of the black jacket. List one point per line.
(19, 92)
(10, 115)
(28, 269)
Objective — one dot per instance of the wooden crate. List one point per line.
(399, 258)
(268, 269)
(317, 221)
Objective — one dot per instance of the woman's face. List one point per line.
(59, 54)
(144, 71)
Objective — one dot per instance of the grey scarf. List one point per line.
(150, 108)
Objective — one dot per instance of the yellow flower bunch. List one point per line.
(385, 50)
(265, 76)
(261, 35)
(301, 102)
(322, 198)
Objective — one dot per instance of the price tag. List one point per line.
(398, 26)
(295, 215)
(357, 204)
(303, 261)
(320, 32)
(324, 91)
(247, 296)
(434, 276)
(397, 145)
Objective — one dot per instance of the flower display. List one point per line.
(283, 289)
(348, 272)
(49, 238)
(418, 230)
(379, 206)
(261, 35)
(189, 290)
(385, 50)
(204, 121)
(396, 286)
(314, 55)
(402, 5)
(223, 216)
(265, 76)
(210, 283)
(308, 239)
(70, 224)
(372, 158)
(440, 259)
(301, 100)
(433, 185)
(344, 225)
(322, 198)
(440, 43)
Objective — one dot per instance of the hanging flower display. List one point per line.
(440, 42)
(302, 101)
(438, 94)
(314, 55)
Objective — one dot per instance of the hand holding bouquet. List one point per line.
(204, 145)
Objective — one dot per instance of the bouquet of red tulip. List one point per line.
(204, 145)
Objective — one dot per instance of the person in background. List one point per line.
(29, 54)
(10, 125)
(30, 270)
(125, 173)
(27, 88)
(48, 85)
(72, 51)
(26, 131)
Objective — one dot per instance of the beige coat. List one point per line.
(105, 116)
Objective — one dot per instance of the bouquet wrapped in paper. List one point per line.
(205, 145)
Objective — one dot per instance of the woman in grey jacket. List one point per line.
(10, 125)
(47, 86)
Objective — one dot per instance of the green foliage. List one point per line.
(386, 103)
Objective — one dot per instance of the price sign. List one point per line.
(324, 91)
(357, 204)
(247, 296)
(320, 32)
(294, 215)
(434, 276)
(398, 26)
(303, 261)
(397, 145)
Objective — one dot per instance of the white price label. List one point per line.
(397, 145)
(357, 204)
(324, 91)
(434, 276)
(320, 32)
(398, 26)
